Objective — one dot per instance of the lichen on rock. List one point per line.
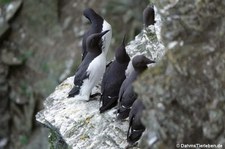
(148, 42)
(79, 123)
(184, 93)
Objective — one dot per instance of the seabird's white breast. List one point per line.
(107, 37)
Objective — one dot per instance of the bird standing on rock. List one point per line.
(127, 96)
(91, 68)
(113, 78)
(136, 128)
(98, 24)
(149, 16)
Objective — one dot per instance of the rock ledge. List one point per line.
(79, 123)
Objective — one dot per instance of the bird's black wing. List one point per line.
(108, 64)
(130, 130)
(106, 77)
(78, 81)
(80, 76)
(129, 96)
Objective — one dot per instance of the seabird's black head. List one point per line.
(140, 62)
(94, 41)
(121, 54)
(96, 27)
(148, 16)
(92, 16)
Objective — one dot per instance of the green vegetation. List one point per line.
(4, 1)
(52, 138)
(23, 139)
(26, 55)
(55, 142)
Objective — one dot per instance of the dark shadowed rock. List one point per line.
(4, 28)
(9, 58)
(11, 9)
(185, 92)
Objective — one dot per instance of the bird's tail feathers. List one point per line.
(112, 103)
(75, 91)
(133, 135)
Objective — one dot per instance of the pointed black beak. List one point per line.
(148, 61)
(103, 33)
(124, 39)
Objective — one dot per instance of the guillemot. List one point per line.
(127, 96)
(91, 68)
(113, 78)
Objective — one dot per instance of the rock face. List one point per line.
(79, 122)
(6, 14)
(185, 93)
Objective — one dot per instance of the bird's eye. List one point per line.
(125, 107)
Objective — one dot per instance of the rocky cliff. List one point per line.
(77, 123)
(185, 93)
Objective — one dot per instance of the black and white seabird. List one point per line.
(91, 68)
(148, 16)
(113, 78)
(136, 128)
(98, 24)
(127, 96)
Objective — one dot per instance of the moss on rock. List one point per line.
(184, 93)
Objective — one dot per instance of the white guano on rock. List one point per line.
(79, 123)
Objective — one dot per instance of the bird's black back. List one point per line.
(112, 80)
(126, 83)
